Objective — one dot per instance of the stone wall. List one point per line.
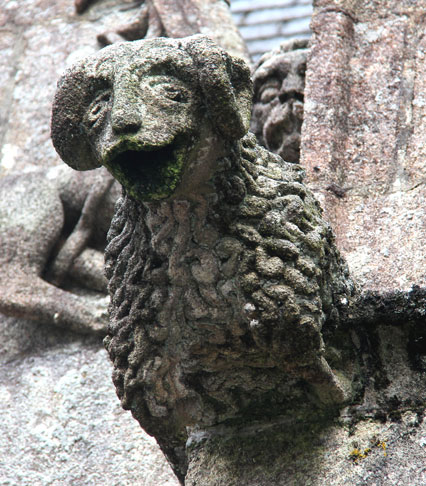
(363, 137)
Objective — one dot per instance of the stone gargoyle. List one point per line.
(53, 225)
(221, 269)
(279, 85)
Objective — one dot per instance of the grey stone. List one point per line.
(370, 452)
(205, 308)
(42, 39)
(180, 18)
(299, 450)
(378, 439)
(61, 422)
(10, 46)
(38, 39)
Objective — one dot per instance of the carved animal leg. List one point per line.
(81, 234)
(88, 270)
(30, 297)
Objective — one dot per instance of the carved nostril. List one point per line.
(125, 121)
(291, 94)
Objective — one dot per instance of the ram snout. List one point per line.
(147, 174)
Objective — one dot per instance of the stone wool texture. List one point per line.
(254, 295)
(221, 268)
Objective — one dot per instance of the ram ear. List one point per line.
(68, 136)
(226, 86)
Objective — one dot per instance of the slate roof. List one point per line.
(264, 24)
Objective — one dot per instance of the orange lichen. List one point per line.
(357, 455)
(382, 444)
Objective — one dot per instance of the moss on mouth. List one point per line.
(148, 175)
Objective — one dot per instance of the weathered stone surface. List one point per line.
(326, 453)
(48, 220)
(393, 379)
(380, 439)
(61, 422)
(39, 39)
(363, 137)
(180, 18)
(221, 269)
(208, 17)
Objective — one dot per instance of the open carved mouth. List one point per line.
(148, 174)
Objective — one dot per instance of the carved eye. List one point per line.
(175, 93)
(269, 92)
(98, 109)
(172, 91)
(165, 88)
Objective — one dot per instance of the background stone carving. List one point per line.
(37, 39)
(278, 98)
(180, 18)
(387, 365)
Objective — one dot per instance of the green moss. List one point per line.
(148, 175)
